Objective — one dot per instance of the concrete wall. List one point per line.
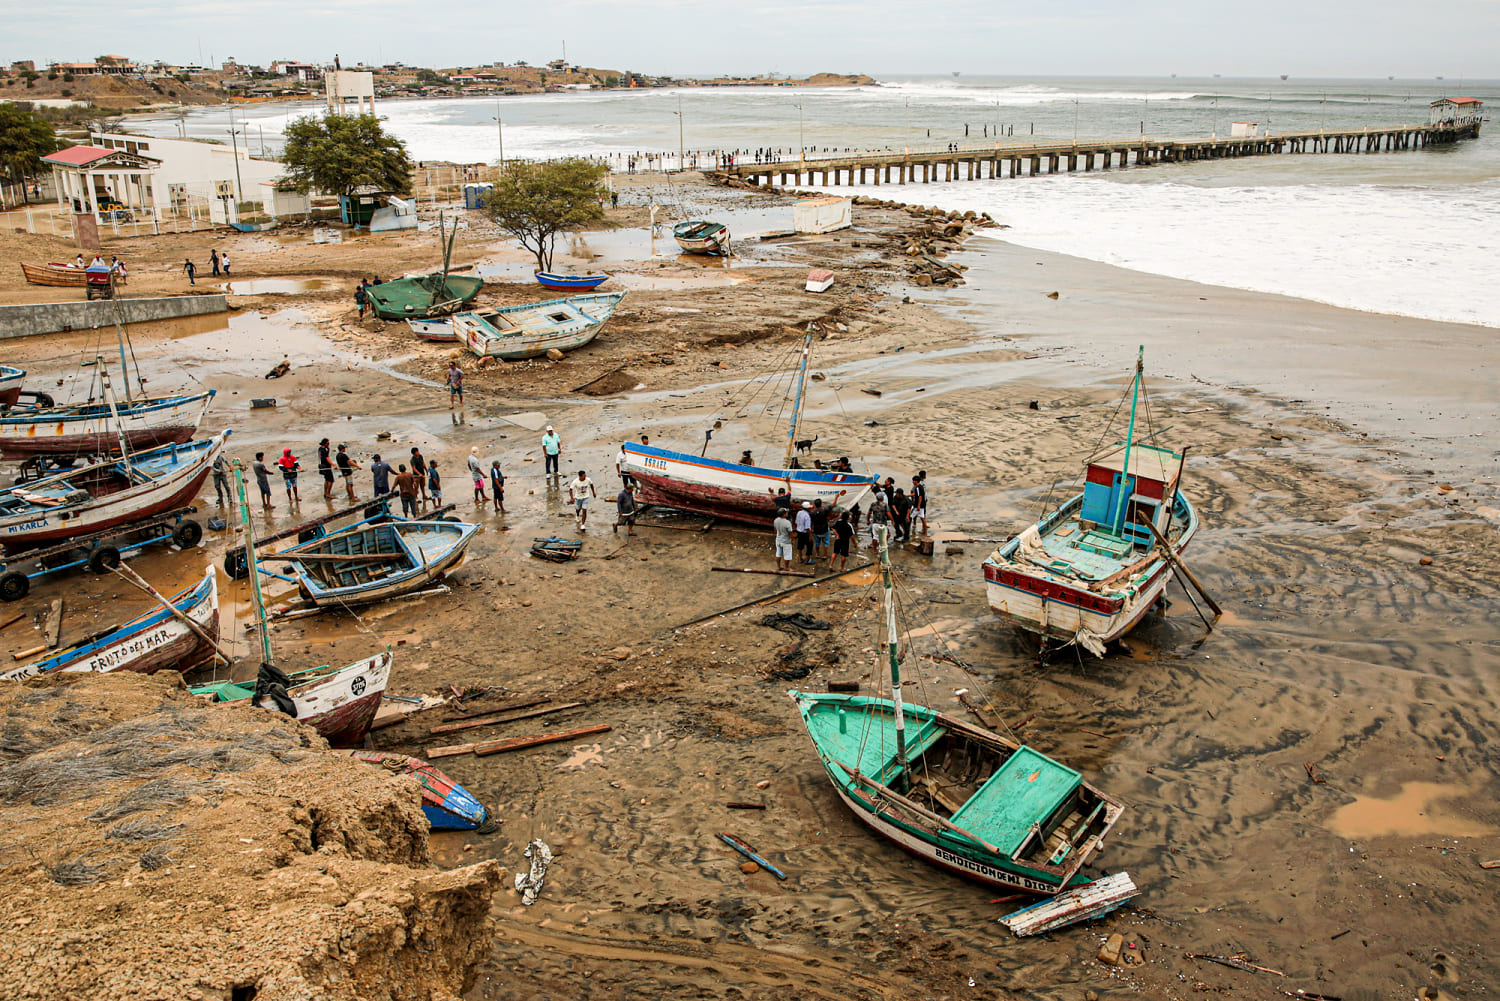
(51, 317)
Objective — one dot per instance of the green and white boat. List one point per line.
(954, 794)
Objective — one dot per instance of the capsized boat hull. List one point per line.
(420, 552)
(178, 473)
(729, 490)
(154, 641)
(92, 430)
(447, 805)
(1030, 598)
(1035, 824)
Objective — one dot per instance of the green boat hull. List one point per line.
(419, 298)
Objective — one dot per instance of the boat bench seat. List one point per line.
(877, 759)
(1030, 788)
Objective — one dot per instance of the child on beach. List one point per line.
(434, 484)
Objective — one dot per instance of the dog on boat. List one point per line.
(806, 444)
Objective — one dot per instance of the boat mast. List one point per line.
(255, 595)
(109, 398)
(120, 335)
(446, 243)
(888, 600)
(1117, 523)
(791, 431)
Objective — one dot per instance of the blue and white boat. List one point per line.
(156, 641)
(740, 491)
(530, 330)
(371, 562)
(570, 283)
(447, 805)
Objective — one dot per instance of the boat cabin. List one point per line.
(1118, 507)
(1455, 111)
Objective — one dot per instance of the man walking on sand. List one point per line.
(625, 509)
(579, 492)
(380, 473)
(552, 450)
(497, 485)
(783, 527)
(187, 266)
(262, 479)
(224, 263)
(213, 261)
(455, 384)
(347, 466)
(406, 486)
(476, 473)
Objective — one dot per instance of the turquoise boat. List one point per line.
(953, 794)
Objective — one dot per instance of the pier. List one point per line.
(974, 162)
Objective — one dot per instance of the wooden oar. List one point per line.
(135, 579)
(1183, 573)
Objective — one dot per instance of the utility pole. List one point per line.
(801, 142)
(907, 135)
(238, 184)
(681, 151)
(1075, 121)
(500, 135)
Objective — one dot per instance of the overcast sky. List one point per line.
(1324, 38)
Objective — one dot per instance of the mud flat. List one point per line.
(1341, 648)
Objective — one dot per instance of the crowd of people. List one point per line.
(812, 532)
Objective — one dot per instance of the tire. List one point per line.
(375, 510)
(44, 400)
(187, 534)
(309, 534)
(236, 566)
(14, 586)
(104, 559)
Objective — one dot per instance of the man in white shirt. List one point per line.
(579, 491)
(783, 526)
(804, 531)
(626, 480)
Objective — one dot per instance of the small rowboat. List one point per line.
(339, 702)
(436, 331)
(570, 283)
(155, 641)
(819, 280)
(105, 494)
(448, 805)
(370, 563)
(10, 385)
(56, 275)
(531, 330)
(699, 237)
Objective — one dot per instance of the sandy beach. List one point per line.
(1330, 452)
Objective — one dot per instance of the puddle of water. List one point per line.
(276, 286)
(707, 279)
(1417, 809)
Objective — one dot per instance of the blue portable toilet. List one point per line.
(474, 195)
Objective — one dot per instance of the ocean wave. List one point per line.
(1023, 94)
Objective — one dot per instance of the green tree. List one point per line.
(25, 137)
(533, 202)
(341, 153)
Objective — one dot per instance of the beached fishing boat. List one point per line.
(447, 805)
(951, 793)
(265, 226)
(532, 329)
(436, 331)
(93, 429)
(10, 385)
(54, 274)
(105, 494)
(157, 640)
(740, 491)
(699, 237)
(339, 702)
(570, 283)
(1089, 571)
(369, 563)
(423, 296)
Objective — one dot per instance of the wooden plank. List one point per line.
(504, 708)
(54, 623)
(519, 743)
(779, 573)
(1491, 864)
(449, 751)
(12, 620)
(473, 723)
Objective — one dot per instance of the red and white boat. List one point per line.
(10, 385)
(105, 494)
(155, 641)
(339, 702)
(92, 429)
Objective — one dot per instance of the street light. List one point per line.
(238, 184)
(681, 152)
(801, 142)
(500, 135)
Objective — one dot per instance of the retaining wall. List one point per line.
(51, 317)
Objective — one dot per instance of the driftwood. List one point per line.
(777, 573)
(507, 707)
(772, 597)
(12, 620)
(518, 743)
(1234, 963)
(494, 720)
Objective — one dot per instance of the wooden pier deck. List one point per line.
(973, 162)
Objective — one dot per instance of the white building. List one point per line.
(200, 179)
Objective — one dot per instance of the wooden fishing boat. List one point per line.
(55, 275)
(699, 237)
(10, 385)
(570, 283)
(532, 329)
(953, 794)
(436, 331)
(92, 429)
(338, 702)
(447, 805)
(369, 563)
(1088, 572)
(157, 640)
(105, 494)
(739, 491)
(423, 296)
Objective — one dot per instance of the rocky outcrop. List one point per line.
(839, 80)
(160, 847)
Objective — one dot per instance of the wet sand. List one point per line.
(1338, 648)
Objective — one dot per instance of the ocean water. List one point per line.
(1414, 233)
